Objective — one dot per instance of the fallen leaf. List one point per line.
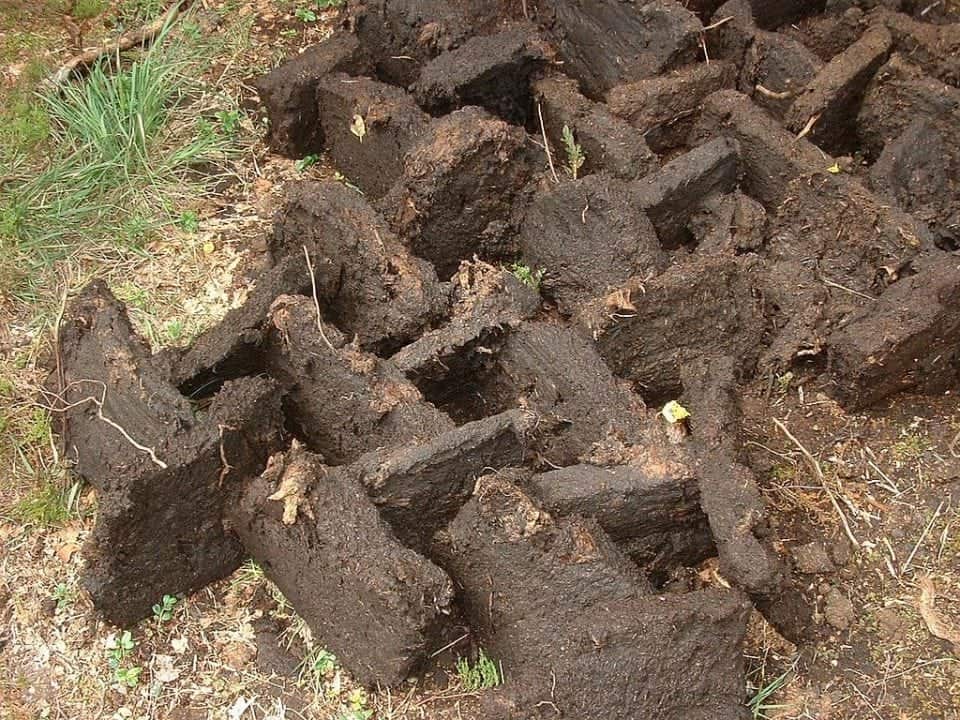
(66, 551)
(674, 412)
(165, 671)
(179, 645)
(835, 169)
(358, 127)
(937, 624)
(208, 248)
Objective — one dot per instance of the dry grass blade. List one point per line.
(815, 466)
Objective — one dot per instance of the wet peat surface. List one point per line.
(437, 413)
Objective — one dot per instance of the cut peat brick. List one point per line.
(609, 143)
(588, 235)
(380, 607)
(650, 508)
(488, 302)
(458, 187)
(909, 340)
(369, 285)
(288, 92)
(402, 35)
(392, 123)
(233, 347)
(577, 631)
(650, 328)
(419, 488)
(649, 39)
(776, 69)
(673, 193)
(832, 99)
(664, 108)
(491, 71)
(770, 156)
(163, 479)
(555, 373)
(344, 401)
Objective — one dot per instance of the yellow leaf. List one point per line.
(208, 248)
(358, 127)
(674, 412)
(835, 169)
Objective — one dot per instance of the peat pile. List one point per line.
(409, 438)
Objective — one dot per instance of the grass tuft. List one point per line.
(131, 143)
(481, 675)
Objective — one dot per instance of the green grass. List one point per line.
(481, 675)
(87, 9)
(128, 144)
(528, 276)
(48, 504)
(759, 701)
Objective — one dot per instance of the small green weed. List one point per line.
(118, 650)
(529, 277)
(758, 701)
(163, 610)
(306, 161)
(575, 154)
(229, 121)
(306, 15)
(356, 706)
(481, 675)
(64, 595)
(911, 446)
(174, 331)
(317, 667)
(189, 221)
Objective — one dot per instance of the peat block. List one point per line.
(650, 38)
(491, 71)
(650, 508)
(609, 144)
(649, 328)
(664, 108)
(555, 373)
(589, 235)
(776, 69)
(344, 401)
(162, 475)
(487, 303)
(420, 487)
(458, 187)
(372, 157)
(377, 292)
(670, 195)
(288, 92)
(378, 605)
(831, 100)
(575, 626)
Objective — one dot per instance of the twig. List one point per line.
(141, 37)
(526, 13)
(225, 466)
(546, 144)
(316, 301)
(773, 94)
(450, 645)
(926, 530)
(838, 286)
(718, 23)
(815, 466)
(808, 127)
(952, 447)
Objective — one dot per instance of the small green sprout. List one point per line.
(63, 595)
(481, 675)
(305, 15)
(525, 274)
(306, 161)
(229, 121)
(189, 221)
(163, 610)
(128, 676)
(575, 154)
